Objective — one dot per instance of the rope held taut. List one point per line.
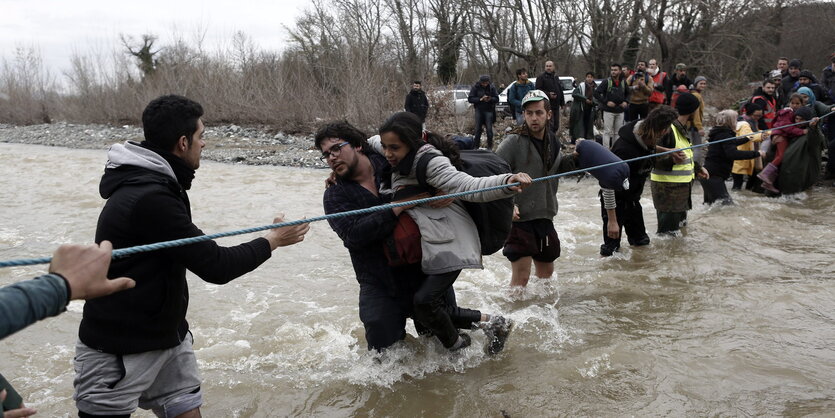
(124, 252)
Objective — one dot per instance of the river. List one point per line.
(735, 318)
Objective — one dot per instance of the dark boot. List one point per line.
(738, 180)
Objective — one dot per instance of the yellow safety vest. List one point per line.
(680, 173)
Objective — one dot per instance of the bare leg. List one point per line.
(544, 270)
(521, 271)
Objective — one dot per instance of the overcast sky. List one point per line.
(58, 27)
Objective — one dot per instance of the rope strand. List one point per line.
(124, 252)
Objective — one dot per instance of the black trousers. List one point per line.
(384, 309)
(630, 215)
(436, 315)
(635, 111)
(670, 221)
(715, 189)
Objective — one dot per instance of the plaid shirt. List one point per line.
(363, 235)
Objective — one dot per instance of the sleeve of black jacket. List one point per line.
(163, 216)
(357, 231)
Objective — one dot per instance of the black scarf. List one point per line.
(183, 172)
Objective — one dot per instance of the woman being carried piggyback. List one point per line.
(449, 238)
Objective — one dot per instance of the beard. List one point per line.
(350, 170)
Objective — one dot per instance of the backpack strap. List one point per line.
(420, 169)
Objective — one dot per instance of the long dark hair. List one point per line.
(408, 127)
(657, 121)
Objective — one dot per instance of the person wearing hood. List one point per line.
(135, 347)
(636, 139)
(720, 157)
(811, 101)
(748, 125)
(808, 80)
(672, 174)
(416, 101)
(802, 160)
(820, 109)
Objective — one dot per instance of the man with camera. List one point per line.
(640, 86)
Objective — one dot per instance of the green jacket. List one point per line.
(801, 165)
(539, 200)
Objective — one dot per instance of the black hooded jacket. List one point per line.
(628, 146)
(417, 103)
(144, 206)
(720, 157)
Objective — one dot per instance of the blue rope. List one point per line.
(124, 252)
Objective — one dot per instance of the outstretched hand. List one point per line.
(286, 235)
(85, 268)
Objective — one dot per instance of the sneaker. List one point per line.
(497, 331)
(466, 341)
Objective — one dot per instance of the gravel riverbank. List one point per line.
(227, 144)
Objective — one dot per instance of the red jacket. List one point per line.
(786, 117)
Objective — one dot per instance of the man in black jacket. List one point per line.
(549, 82)
(416, 101)
(135, 347)
(483, 96)
(612, 96)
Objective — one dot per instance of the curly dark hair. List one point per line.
(168, 118)
(341, 129)
(408, 127)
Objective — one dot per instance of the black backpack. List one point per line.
(492, 219)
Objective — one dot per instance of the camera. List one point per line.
(639, 74)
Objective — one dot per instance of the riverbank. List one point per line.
(226, 144)
(251, 145)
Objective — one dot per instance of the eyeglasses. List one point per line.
(334, 150)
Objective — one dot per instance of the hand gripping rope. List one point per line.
(124, 252)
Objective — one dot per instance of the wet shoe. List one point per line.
(639, 242)
(497, 330)
(464, 343)
(607, 251)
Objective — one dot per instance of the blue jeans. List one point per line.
(483, 118)
(520, 119)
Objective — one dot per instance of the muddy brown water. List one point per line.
(735, 318)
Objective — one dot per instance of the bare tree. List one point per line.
(449, 16)
(530, 30)
(144, 53)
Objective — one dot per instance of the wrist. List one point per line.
(66, 284)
